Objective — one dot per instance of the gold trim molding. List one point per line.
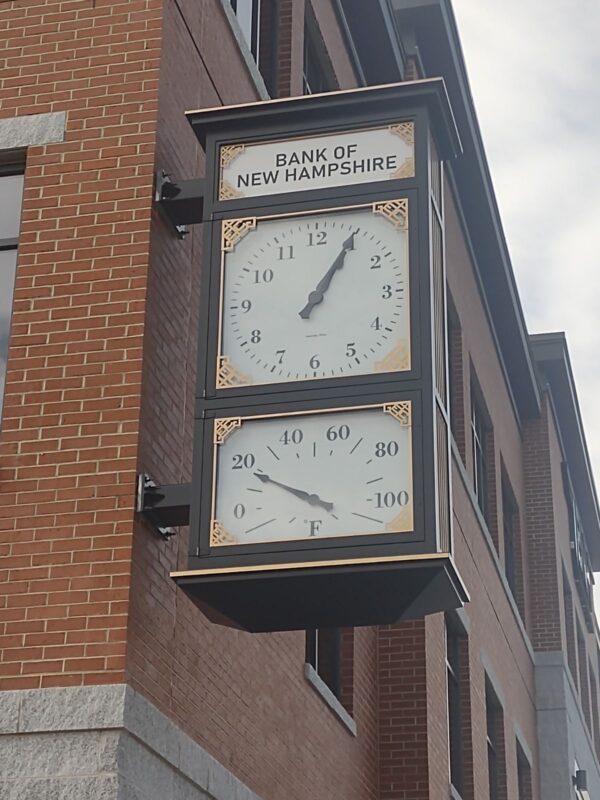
(235, 229)
(304, 564)
(402, 522)
(224, 427)
(400, 411)
(228, 376)
(395, 211)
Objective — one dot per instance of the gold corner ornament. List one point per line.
(235, 229)
(397, 360)
(228, 376)
(229, 152)
(224, 427)
(219, 535)
(227, 191)
(402, 522)
(400, 411)
(395, 211)
(405, 130)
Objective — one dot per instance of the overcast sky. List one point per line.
(534, 69)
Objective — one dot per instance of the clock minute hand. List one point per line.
(316, 297)
(312, 499)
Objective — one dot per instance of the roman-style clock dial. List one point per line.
(315, 295)
(313, 475)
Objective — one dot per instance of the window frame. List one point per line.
(454, 678)
(10, 243)
(254, 41)
(494, 716)
(480, 430)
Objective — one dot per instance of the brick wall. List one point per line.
(70, 425)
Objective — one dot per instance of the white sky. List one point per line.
(534, 69)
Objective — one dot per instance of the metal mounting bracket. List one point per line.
(164, 507)
(182, 202)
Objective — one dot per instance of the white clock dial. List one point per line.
(318, 296)
(302, 476)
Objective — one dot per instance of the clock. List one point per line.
(312, 475)
(314, 295)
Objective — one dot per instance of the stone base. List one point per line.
(102, 743)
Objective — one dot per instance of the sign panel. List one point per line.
(336, 473)
(317, 162)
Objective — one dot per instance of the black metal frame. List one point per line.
(284, 585)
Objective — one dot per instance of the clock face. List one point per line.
(317, 295)
(313, 475)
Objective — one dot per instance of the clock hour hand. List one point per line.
(312, 499)
(316, 297)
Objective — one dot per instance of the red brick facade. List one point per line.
(100, 386)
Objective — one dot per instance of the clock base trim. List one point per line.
(362, 592)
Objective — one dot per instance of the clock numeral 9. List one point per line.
(294, 436)
(390, 499)
(246, 461)
(386, 449)
(266, 276)
(320, 237)
(246, 305)
(342, 432)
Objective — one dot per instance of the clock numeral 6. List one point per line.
(246, 461)
(390, 499)
(314, 362)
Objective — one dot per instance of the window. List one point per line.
(524, 791)
(495, 744)
(511, 528)
(248, 16)
(455, 378)
(317, 73)
(569, 627)
(330, 652)
(455, 706)
(324, 654)
(584, 686)
(11, 193)
(479, 435)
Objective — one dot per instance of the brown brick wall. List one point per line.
(70, 424)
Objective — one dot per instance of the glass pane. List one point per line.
(243, 11)
(11, 194)
(8, 261)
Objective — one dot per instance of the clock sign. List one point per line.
(320, 491)
(315, 295)
(287, 477)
